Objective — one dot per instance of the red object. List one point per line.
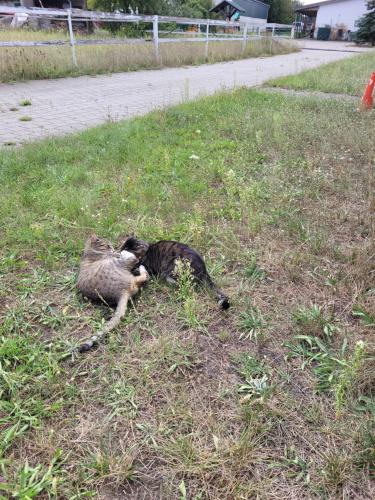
(367, 100)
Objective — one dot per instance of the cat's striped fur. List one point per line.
(160, 260)
(105, 274)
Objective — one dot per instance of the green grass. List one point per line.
(25, 102)
(272, 399)
(33, 35)
(342, 77)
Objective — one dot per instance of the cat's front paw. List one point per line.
(127, 255)
(143, 271)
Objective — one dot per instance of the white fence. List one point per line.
(220, 30)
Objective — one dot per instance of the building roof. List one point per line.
(234, 4)
(250, 8)
(313, 7)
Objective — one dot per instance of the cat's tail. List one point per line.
(110, 325)
(221, 298)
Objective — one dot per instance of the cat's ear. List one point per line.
(128, 242)
(94, 237)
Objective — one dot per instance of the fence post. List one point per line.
(207, 34)
(258, 31)
(273, 30)
(244, 38)
(155, 36)
(71, 35)
(292, 32)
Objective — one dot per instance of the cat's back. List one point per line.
(103, 279)
(172, 247)
(161, 257)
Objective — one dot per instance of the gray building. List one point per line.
(234, 9)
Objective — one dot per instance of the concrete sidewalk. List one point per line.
(308, 43)
(68, 105)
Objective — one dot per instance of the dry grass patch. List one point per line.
(27, 63)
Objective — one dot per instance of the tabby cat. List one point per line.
(106, 275)
(160, 260)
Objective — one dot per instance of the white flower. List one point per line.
(194, 157)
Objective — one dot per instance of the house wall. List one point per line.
(257, 10)
(341, 13)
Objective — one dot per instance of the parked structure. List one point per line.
(47, 4)
(16, 20)
(331, 19)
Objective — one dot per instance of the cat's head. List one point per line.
(134, 245)
(96, 244)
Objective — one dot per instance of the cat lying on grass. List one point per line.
(160, 259)
(105, 275)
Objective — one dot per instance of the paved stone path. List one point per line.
(67, 105)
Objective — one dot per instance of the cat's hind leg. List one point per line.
(170, 280)
(112, 323)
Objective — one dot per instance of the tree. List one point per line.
(366, 25)
(187, 8)
(281, 11)
(144, 6)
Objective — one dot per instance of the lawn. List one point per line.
(273, 399)
(343, 77)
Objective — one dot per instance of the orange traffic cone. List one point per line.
(367, 100)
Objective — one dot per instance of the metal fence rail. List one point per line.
(238, 31)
